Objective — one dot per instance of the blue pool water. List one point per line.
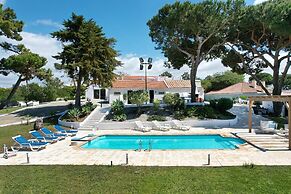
(163, 142)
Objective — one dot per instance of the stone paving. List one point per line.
(62, 153)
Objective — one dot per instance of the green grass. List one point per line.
(7, 132)
(118, 179)
(9, 109)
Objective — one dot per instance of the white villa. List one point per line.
(156, 85)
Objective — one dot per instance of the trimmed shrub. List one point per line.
(139, 98)
(224, 104)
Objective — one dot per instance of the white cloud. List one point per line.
(47, 22)
(131, 67)
(2, 2)
(43, 45)
(259, 1)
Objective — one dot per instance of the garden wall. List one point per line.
(207, 123)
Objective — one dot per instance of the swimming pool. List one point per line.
(163, 142)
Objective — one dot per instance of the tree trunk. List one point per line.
(78, 91)
(15, 87)
(193, 80)
(277, 90)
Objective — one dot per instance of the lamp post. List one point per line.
(145, 65)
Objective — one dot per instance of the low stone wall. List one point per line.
(74, 125)
(214, 123)
(208, 123)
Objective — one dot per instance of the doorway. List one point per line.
(152, 96)
(128, 93)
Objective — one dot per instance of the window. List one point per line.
(100, 94)
(116, 93)
(96, 94)
(161, 92)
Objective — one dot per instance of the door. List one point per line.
(152, 96)
(128, 93)
(103, 94)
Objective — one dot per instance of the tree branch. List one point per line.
(248, 71)
(183, 51)
(284, 73)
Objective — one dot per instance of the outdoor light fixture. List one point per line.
(150, 60)
(141, 60)
(146, 65)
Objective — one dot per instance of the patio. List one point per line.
(63, 153)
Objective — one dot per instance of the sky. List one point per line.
(123, 20)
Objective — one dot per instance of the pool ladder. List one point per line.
(140, 146)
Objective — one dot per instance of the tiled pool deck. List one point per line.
(62, 153)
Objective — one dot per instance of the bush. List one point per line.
(86, 110)
(180, 115)
(74, 114)
(192, 112)
(174, 101)
(156, 118)
(117, 110)
(202, 112)
(243, 97)
(121, 117)
(224, 104)
(90, 106)
(139, 98)
(213, 103)
(156, 105)
(117, 107)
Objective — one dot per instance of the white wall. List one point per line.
(89, 93)
(113, 97)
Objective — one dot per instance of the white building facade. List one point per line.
(157, 87)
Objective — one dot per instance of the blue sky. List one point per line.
(125, 20)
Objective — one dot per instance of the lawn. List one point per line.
(9, 110)
(121, 179)
(7, 132)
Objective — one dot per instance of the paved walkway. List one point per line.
(42, 110)
(95, 117)
(241, 111)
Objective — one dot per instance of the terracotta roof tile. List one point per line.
(242, 87)
(178, 83)
(138, 84)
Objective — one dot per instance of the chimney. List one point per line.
(254, 83)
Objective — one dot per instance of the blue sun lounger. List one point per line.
(23, 143)
(49, 133)
(42, 138)
(69, 132)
